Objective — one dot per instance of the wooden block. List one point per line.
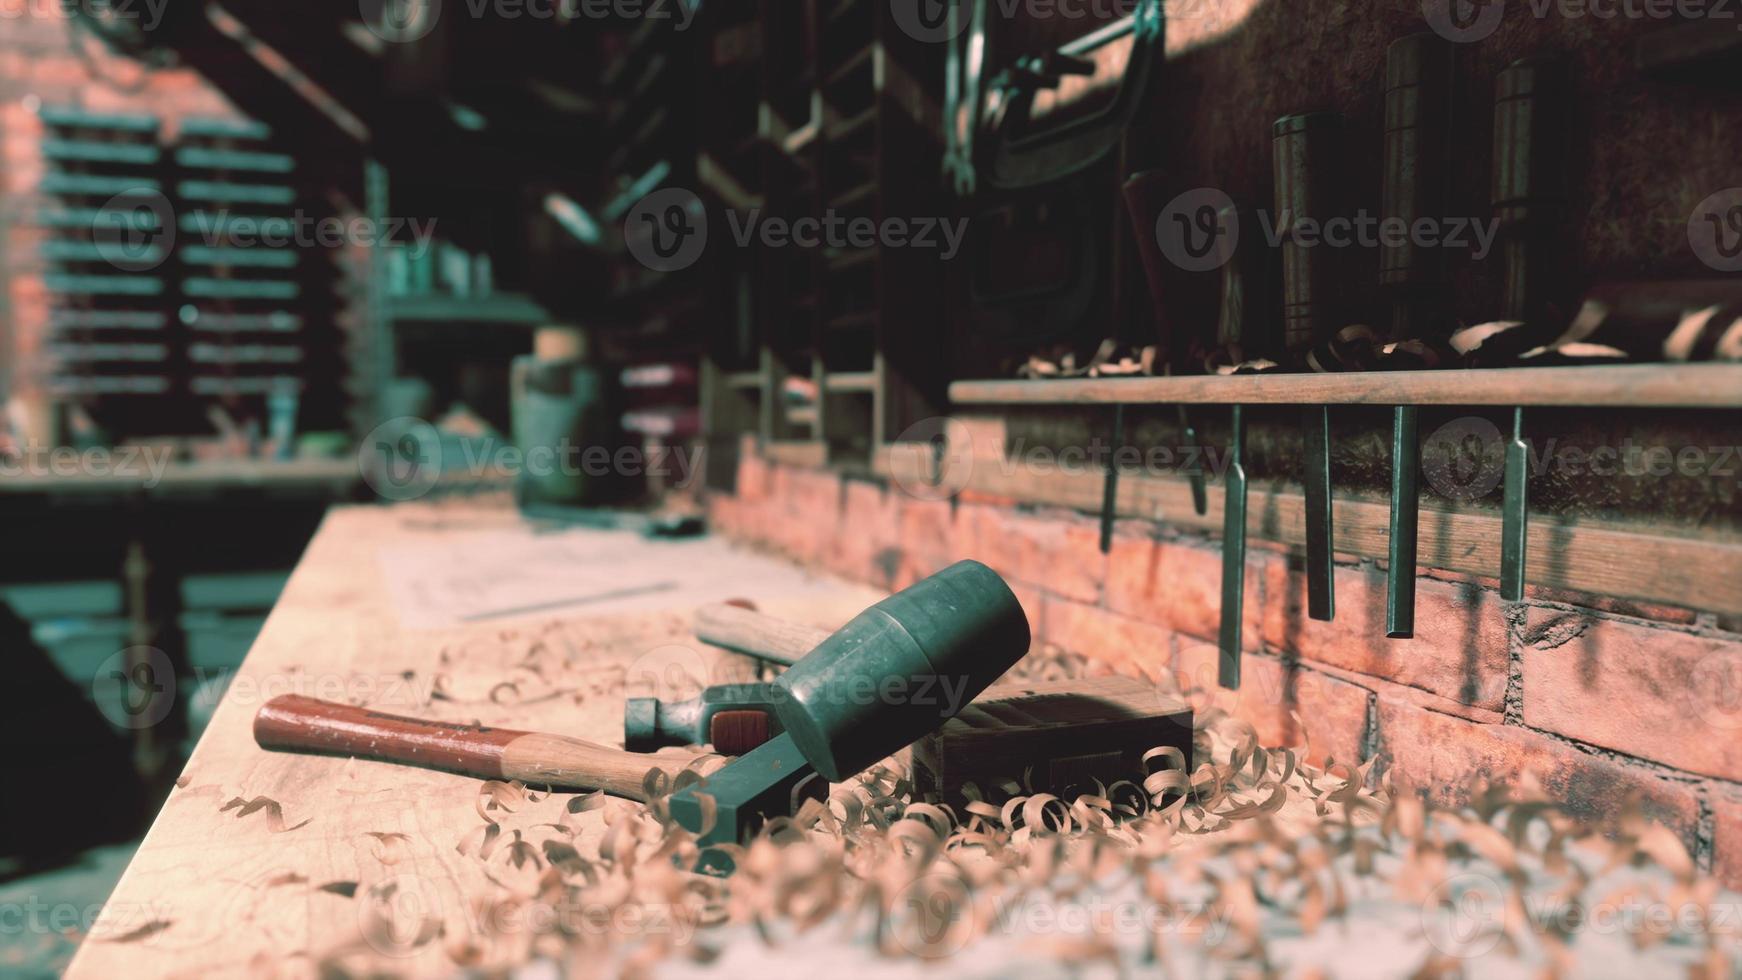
(1069, 732)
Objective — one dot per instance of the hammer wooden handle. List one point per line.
(755, 634)
(298, 724)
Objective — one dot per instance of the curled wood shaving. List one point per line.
(274, 812)
(1246, 833)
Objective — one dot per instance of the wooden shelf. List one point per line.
(744, 380)
(845, 382)
(1629, 385)
(500, 308)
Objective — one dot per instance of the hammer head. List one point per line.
(897, 671)
(772, 780)
(725, 716)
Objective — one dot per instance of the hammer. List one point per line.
(733, 718)
(897, 671)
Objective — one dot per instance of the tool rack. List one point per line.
(844, 128)
(1645, 563)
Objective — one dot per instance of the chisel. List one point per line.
(1418, 80)
(1529, 194)
(1243, 328)
(1307, 168)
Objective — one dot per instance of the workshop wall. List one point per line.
(1231, 72)
(1483, 692)
(45, 62)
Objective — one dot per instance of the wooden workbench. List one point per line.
(256, 861)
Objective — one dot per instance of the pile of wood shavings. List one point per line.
(1248, 864)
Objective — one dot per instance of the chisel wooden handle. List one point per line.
(295, 723)
(756, 635)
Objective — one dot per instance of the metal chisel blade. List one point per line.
(1194, 451)
(1321, 597)
(1110, 490)
(1515, 512)
(1233, 557)
(1405, 516)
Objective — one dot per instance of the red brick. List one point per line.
(1102, 635)
(753, 475)
(1180, 586)
(1568, 597)
(1412, 695)
(1060, 553)
(1646, 691)
(927, 543)
(1450, 758)
(1459, 650)
(1284, 703)
(870, 530)
(1727, 837)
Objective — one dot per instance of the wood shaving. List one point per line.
(1248, 856)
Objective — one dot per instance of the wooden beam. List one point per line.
(1620, 385)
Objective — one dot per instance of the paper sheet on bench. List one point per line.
(505, 575)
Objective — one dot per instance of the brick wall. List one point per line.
(1602, 702)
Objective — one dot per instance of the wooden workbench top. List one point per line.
(258, 861)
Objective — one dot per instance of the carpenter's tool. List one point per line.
(1418, 84)
(745, 631)
(895, 672)
(295, 723)
(1529, 193)
(1245, 326)
(1307, 170)
(1061, 734)
(733, 718)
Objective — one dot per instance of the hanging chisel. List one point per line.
(1307, 169)
(1243, 329)
(1531, 108)
(1418, 88)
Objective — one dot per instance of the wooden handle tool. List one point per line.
(754, 634)
(294, 723)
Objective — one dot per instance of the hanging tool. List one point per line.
(1531, 107)
(1418, 88)
(1307, 168)
(922, 654)
(1245, 329)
